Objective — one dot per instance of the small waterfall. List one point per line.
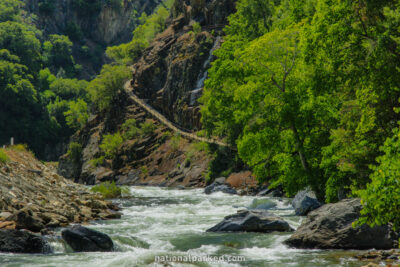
(196, 93)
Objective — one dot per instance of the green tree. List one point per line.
(20, 40)
(10, 10)
(142, 35)
(58, 54)
(107, 85)
(381, 198)
(110, 144)
(77, 115)
(69, 89)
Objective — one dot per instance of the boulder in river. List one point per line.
(26, 219)
(272, 192)
(19, 241)
(217, 187)
(252, 221)
(304, 202)
(82, 239)
(220, 180)
(262, 204)
(330, 227)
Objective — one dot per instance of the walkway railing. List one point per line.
(161, 118)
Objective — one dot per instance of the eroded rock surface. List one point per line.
(82, 239)
(34, 197)
(330, 227)
(252, 221)
(17, 241)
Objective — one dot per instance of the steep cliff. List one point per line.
(91, 25)
(172, 71)
(169, 76)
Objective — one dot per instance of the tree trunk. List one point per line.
(300, 150)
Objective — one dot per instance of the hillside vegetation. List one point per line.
(42, 101)
(308, 91)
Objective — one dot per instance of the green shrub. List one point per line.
(107, 190)
(200, 147)
(3, 156)
(20, 147)
(77, 115)
(165, 136)
(381, 198)
(144, 170)
(75, 151)
(142, 35)
(196, 28)
(147, 127)
(190, 155)
(175, 142)
(97, 161)
(110, 144)
(107, 85)
(130, 130)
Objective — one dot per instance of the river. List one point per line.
(171, 222)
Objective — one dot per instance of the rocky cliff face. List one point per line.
(102, 23)
(170, 76)
(172, 71)
(155, 158)
(34, 197)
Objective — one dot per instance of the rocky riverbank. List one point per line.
(35, 198)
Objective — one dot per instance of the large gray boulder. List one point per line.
(272, 192)
(304, 202)
(82, 239)
(18, 241)
(217, 187)
(330, 227)
(252, 221)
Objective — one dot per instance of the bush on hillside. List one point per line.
(3, 156)
(107, 190)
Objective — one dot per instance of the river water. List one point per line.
(159, 222)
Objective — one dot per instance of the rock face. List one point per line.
(33, 197)
(304, 202)
(330, 227)
(16, 241)
(96, 26)
(217, 187)
(169, 76)
(82, 239)
(172, 70)
(252, 221)
(272, 192)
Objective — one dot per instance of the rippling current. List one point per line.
(171, 222)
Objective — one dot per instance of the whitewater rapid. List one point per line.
(160, 222)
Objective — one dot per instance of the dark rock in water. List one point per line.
(330, 227)
(272, 192)
(252, 221)
(216, 187)
(18, 241)
(220, 180)
(25, 219)
(82, 239)
(304, 202)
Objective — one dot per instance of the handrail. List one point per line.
(128, 88)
